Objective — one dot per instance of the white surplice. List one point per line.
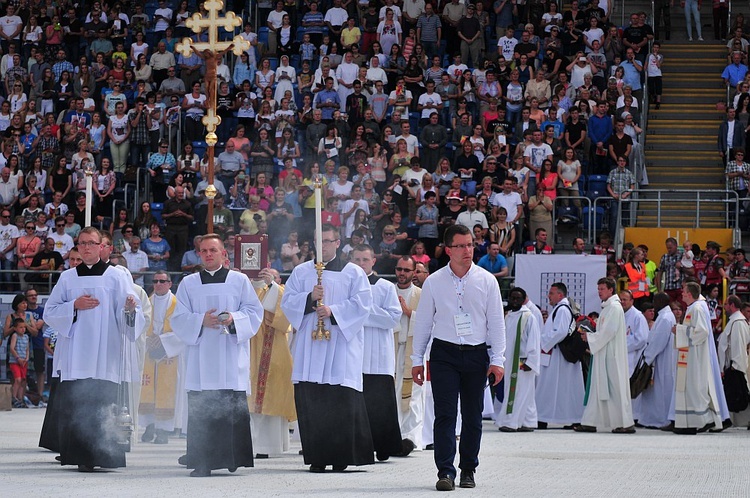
(522, 412)
(659, 353)
(732, 348)
(93, 339)
(695, 394)
(337, 361)
(346, 73)
(559, 387)
(384, 315)
(637, 334)
(608, 405)
(217, 361)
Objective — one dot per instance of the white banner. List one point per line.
(535, 273)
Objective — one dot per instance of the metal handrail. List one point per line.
(731, 200)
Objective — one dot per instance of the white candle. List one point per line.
(318, 224)
(89, 182)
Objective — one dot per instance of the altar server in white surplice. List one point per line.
(608, 397)
(732, 348)
(522, 341)
(93, 307)
(696, 405)
(659, 353)
(216, 315)
(637, 334)
(559, 387)
(327, 374)
(379, 363)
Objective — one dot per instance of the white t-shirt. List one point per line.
(9, 25)
(425, 99)
(412, 142)
(537, 155)
(510, 202)
(8, 233)
(651, 68)
(593, 34)
(63, 243)
(508, 47)
(396, 12)
(161, 24)
(336, 16)
(276, 18)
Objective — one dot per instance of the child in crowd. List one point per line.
(19, 361)
(686, 263)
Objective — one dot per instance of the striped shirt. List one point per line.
(429, 26)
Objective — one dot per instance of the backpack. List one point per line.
(573, 348)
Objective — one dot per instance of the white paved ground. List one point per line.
(543, 463)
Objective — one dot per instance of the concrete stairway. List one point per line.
(681, 137)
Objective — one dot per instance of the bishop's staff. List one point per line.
(320, 331)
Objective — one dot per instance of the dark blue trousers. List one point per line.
(457, 370)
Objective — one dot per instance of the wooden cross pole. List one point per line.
(211, 52)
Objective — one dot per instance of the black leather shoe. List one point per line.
(200, 473)
(506, 429)
(706, 427)
(382, 457)
(232, 470)
(584, 428)
(317, 469)
(161, 437)
(407, 446)
(430, 447)
(445, 483)
(692, 431)
(148, 436)
(339, 468)
(85, 468)
(467, 479)
(182, 460)
(541, 425)
(261, 456)
(667, 428)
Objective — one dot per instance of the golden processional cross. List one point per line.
(211, 52)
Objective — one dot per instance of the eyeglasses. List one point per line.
(163, 146)
(88, 243)
(61, 225)
(389, 233)
(160, 280)
(462, 247)
(405, 270)
(5, 216)
(128, 231)
(30, 228)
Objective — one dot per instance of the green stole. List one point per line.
(516, 365)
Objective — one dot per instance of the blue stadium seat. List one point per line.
(597, 182)
(199, 147)
(156, 209)
(598, 214)
(263, 35)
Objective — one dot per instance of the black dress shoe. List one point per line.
(85, 468)
(382, 457)
(59, 457)
(148, 436)
(685, 431)
(570, 427)
(339, 468)
(430, 447)
(200, 473)
(182, 460)
(541, 425)
(407, 446)
(232, 470)
(706, 427)
(726, 423)
(506, 429)
(261, 456)
(317, 469)
(161, 437)
(525, 429)
(445, 483)
(467, 479)
(667, 428)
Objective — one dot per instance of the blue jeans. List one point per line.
(454, 371)
(691, 6)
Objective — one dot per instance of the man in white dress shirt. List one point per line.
(464, 325)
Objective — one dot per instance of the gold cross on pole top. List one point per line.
(211, 52)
